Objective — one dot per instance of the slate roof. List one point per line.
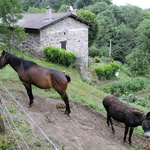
(38, 20)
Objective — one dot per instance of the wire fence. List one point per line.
(12, 125)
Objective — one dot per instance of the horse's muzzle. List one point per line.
(1, 67)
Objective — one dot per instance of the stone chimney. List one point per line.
(48, 13)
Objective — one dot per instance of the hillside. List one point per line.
(85, 129)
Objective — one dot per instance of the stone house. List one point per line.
(62, 30)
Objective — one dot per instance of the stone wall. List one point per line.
(32, 44)
(74, 32)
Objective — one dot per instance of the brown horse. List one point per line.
(31, 73)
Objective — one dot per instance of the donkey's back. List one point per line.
(116, 109)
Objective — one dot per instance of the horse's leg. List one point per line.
(125, 132)
(29, 91)
(65, 98)
(130, 134)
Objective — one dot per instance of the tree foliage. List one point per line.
(91, 17)
(143, 35)
(12, 34)
(139, 59)
(36, 10)
(127, 26)
(139, 62)
(121, 24)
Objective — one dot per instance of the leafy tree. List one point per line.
(123, 42)
(54, 4)
(116, 11)
(91, 17)
(143, 36)
(97, 8)
(104, 34)
(36, 10)
(139, 62)
(107, 23)
(139, 59)
(84, 3)
(11, 34)
(30, 3)
(63, 8)
(132, 15)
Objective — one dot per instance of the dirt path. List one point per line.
(86, 129)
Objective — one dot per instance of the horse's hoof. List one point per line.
(130, 143)
(29, 106)
(67, 113)
(125, 142)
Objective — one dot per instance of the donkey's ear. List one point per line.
(3, 52)
(148, 116)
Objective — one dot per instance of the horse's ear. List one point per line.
(148, 116)
(3, 52)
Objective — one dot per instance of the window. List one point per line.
(63, 44)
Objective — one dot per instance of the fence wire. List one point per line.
(12, 120)
(50, 141)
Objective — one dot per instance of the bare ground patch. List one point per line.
(85, 129)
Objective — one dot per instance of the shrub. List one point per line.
(70, 57)
(93, 52)
(107, 71)
(128, 86)
(134, 99)
(97, 60)
(60, 56)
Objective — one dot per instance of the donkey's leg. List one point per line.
(65, 98)
(110, 120)
(125, 133)
(108, 116)
(29, 91)
(130, 135)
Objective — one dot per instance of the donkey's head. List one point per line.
(146, 125)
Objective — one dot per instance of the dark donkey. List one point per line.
(31, 73)
(131, 117)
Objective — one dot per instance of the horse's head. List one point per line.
(3, 59)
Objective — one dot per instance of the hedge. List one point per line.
(107, 71)
(59, 56)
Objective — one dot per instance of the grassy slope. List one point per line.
(77, 89)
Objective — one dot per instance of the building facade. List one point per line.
(62, 30)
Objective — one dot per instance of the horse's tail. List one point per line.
(68, 78)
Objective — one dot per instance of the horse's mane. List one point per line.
(28, 64)
(17, 61)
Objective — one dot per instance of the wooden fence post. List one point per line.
(2, 120)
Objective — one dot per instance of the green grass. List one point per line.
(77, 89)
